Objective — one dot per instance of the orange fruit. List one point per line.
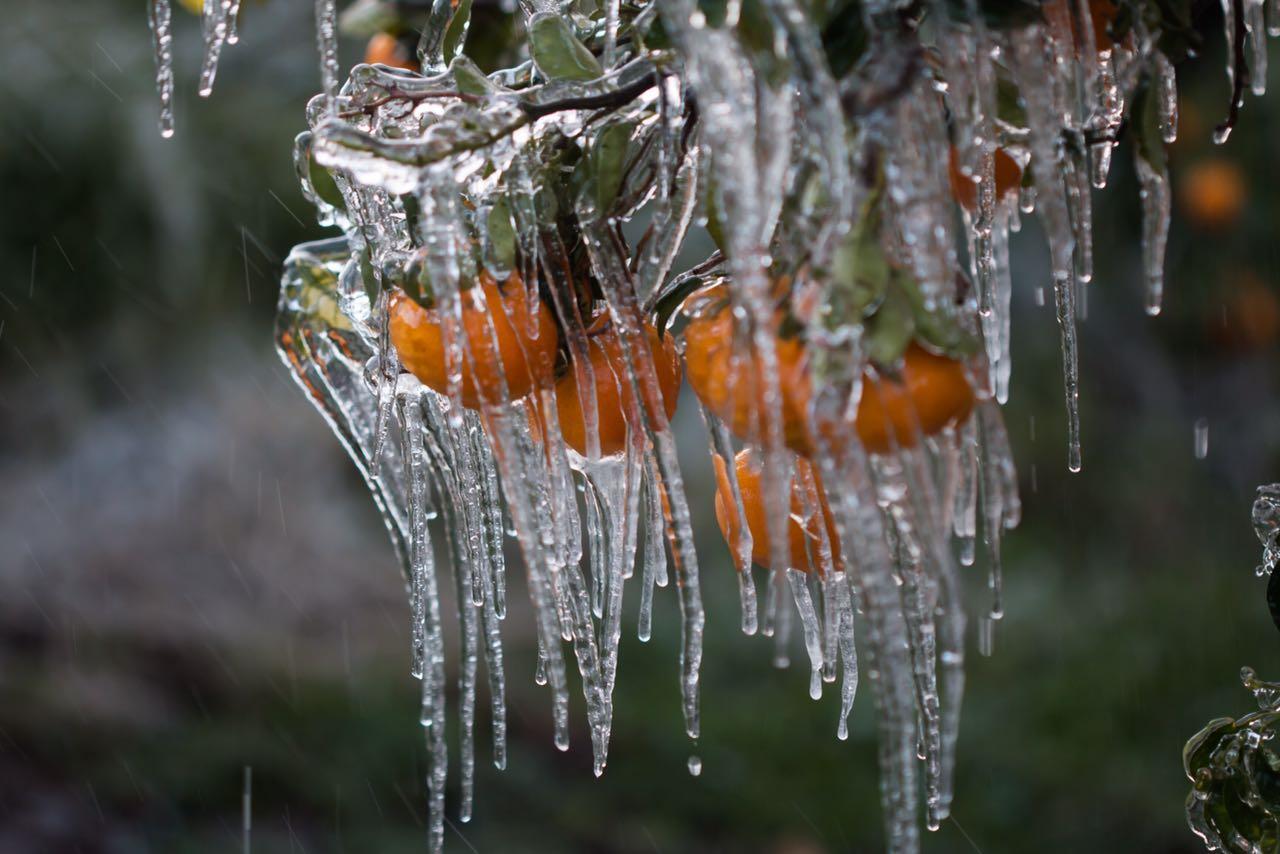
(613, 390)
(803, 534)
(733, 388)
(386, 49)
(1212, 193)
(965, 189)
(932, 393)
(490, 312)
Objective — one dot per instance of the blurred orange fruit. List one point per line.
(386, 49)
(1212, 193)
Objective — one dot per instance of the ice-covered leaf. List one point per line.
(890, 329)
(456, 33)
(604, 165)
(557, 52)
(502, 234)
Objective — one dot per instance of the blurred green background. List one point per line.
(192, 579)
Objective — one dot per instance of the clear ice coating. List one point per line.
(1266, 524)
(480, 338)
(1233, 804)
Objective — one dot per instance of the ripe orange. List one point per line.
(1212, 193)
(386, 49)
(734, 388)
(965, 189)
(613, 390)
(933, 392)
(803, 534)
(490, 312)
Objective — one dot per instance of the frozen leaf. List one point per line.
(557, 52)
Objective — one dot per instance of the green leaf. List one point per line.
(456, 33)
(468, 77)
(712, 209)
(606, 162)
(1009, 106)
(890, 329)
(859, 269)
(941, 330)
(367, 274)
(1198, 751)
(557, 52)
(502, 234)
(672, 298)
(322, 183)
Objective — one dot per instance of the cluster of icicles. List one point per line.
(419, 170)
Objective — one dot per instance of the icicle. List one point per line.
(215, 25)
(160, 18)
(426, 622)
(779, 618)
(908, 520)
(966, 504)
(616, 484)
(1004, 300)
(722, 450)
(233, 22)
(654, 558)
(615, 278)
(1155, 197)
(1223, 131)
(861, 532)
(467, 689)
(992, 515)
(1256, 26)
(1108, 118)
(1166, 97)
(812, 627)
(845, 607)
(327, 42)
(1044, 116)
(1080, 202)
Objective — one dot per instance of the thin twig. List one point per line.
(617, 98)
(1240, 75)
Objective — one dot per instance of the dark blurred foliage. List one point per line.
(192, 580)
